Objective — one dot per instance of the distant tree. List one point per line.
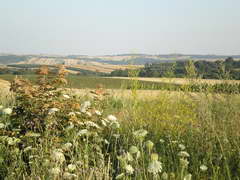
(190, 70)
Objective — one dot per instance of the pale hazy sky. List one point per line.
(97, 27)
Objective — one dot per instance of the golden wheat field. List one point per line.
(180, 81)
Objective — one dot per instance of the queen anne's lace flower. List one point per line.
(68, 175)
(111, 118)
(98, 113)
(66, 96)
(58, 156)
(183, 154)
(140, 134)
(181, 146)
(53, 110)
(92, 124)
(129, 169)
(71, 167)
(67, 146)
(7, 111)
(82, 132)
(133, 149)
(2, 125)
(203, 167)
(55, 171)
(155, 167)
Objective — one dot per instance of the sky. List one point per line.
(100, 27)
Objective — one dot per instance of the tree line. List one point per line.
(227, 69)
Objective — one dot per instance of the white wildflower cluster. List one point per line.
(12, 141)
(52, 110)
(67, 146)
(140, 134)
(98, 113)
(85, 106)
(125, 160)
(2, 125)
(5, 111)
(155, 166)
(82, 132)
(58, 156)
(92, 124)
(203, 168)
(66, 96)
(184, 155)
(111, 121)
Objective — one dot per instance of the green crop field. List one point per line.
(81, 82)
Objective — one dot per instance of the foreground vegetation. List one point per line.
(47, 133)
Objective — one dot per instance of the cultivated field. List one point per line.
(180, 81)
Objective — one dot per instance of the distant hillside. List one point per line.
(120, 59)
(10, 59)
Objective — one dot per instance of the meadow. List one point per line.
(48, 131)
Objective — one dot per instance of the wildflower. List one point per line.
(128, 157)
(188, 177)
(12, 141)
(106, 141)
(7, 111)
(89, 114)
(155, 167)
(116, 135)
(55, 171)
(85, 106)
(58, 156)
(174, 142)
(111, 118)
(32, 134)
(98, 113)
(183, 154)
(71, 126)
(154, 156)
(140, 134)
(53, 110)
(172, 175)
(161, 141)
(129, 169)
(71, 167)
(2, 125)
(115, 125)
(67, 146)
(203, 167)
(149, 144)
(164, 176)
(184, 162)
(27, 149)
(181, 146)
(46, 162)
(71, 114)
(92, 124)
(82, 132)
(68, 175)
(133, 149)
(104, 123)
(120, 176)
(66, 96)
